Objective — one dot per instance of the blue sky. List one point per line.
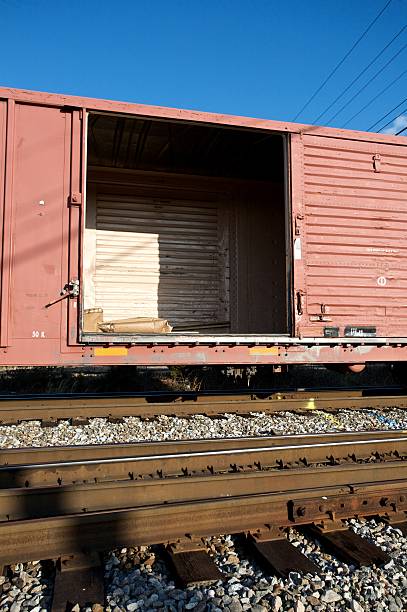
(247, 57)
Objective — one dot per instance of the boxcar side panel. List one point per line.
(37, 210)
(355, 231)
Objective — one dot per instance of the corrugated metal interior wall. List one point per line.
(160, 257)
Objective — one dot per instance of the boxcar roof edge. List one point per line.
(111, 106)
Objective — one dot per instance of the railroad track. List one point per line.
(197, 569)
(79, 409)
(62, 501)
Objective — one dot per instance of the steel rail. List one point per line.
(184, 507)
(203, 488)
(16, 410)
(251, 447)
(50, 537)
(48, 454)
(133, 461)
(41, 502)
(182, 395)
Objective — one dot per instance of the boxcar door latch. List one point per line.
(70, 290)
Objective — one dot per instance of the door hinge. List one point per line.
(298, 224)
(376, 162)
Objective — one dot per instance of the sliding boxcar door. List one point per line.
(38, 202)
(350, 237)
(45, 209)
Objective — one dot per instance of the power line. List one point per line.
(394, 118)
(375, 98)
(360, 74)
(386, 115)
(342, 60)
(367, 84)
(401, 131)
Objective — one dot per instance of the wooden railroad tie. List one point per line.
(78, 582)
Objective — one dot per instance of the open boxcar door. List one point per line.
(349, 237)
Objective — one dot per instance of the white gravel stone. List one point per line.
(277, 603)
(330, 596)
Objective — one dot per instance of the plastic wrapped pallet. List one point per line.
(138, 325)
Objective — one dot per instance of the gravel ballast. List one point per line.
(134, 429)
(27, 586)
(138, 579)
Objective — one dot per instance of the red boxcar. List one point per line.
(145, 235)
